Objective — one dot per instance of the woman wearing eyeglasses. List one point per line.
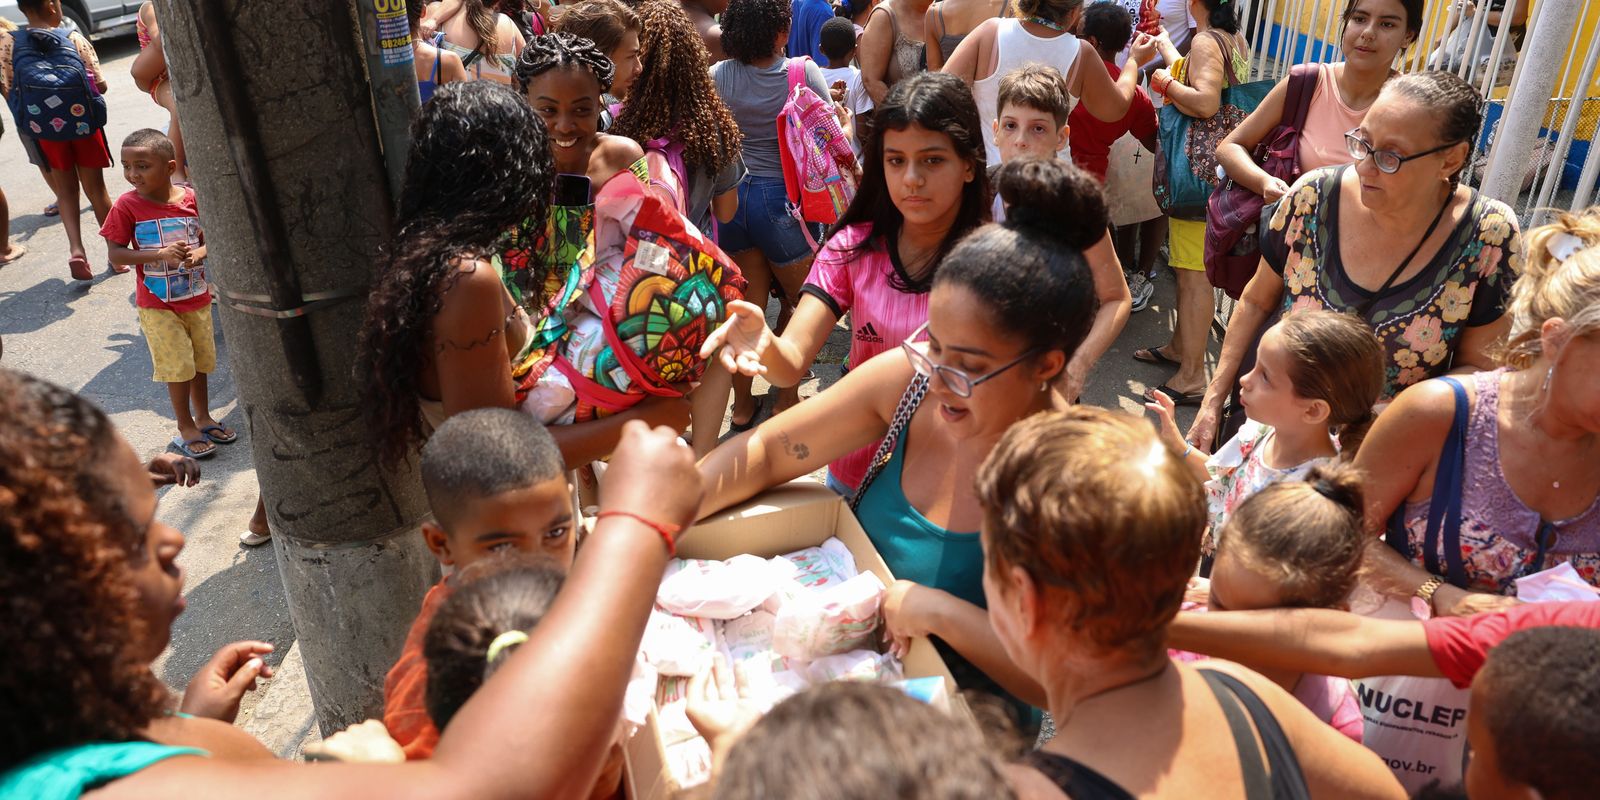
(1394, 239)
(1009, 306)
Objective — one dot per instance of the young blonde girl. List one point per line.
(1317, 375)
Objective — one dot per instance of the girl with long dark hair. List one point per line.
(924, 187)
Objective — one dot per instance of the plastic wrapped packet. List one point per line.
(672, 720)
(678, 646)
(690, 762)
(821, 567)
(831, 621)
(857, 665)
(640, 694)
(747, 644)
(715, 589)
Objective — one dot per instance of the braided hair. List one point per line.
(479, 168)
(562, 51)
(674, 95)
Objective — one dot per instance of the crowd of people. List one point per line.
(1367, 569)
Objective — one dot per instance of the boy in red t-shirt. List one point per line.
(156, 228)
(496, 483)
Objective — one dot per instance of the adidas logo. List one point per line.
(869, 334)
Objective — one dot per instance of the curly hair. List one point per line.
(673, 94)
(479, 169)
(751, 28)
(603, 22)
(72, 635)
(562, 50)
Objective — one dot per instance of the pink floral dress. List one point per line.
(1420, 320)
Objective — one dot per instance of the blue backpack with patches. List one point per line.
(52, 94)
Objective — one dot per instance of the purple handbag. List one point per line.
(1233, 213)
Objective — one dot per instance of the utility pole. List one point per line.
(282, 140)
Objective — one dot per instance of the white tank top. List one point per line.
(1015, 47)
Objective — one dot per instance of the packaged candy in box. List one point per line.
(715, 589)
(813, 568)
(677, 645)
(690, 762)
(826, 622)
(866, 666)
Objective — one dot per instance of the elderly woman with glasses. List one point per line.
(1009, 306)
(1393, 238)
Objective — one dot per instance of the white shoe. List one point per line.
(252, 539)
(1141, 289)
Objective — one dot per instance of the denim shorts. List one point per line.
(763, 222)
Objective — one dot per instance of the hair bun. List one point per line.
(1054, 199)
(1340, 483)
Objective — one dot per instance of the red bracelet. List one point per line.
(668, 532)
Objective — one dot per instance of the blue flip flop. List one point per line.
(186, 449)
(218, 438)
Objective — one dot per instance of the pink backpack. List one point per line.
(819, 169)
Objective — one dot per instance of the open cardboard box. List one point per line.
(781, 520)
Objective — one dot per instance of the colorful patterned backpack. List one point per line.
(819, 168)
(627, 319)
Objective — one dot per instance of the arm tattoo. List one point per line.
(472, 344)
(796, 449)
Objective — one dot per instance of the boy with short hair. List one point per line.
(156, 229)
(1033, 105)
(51, 78)
(1532, 722)
(1108, 26)
(837, 42)
(495, 482)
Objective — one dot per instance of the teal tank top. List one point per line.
(914, 548)
(918, 550)
(66, 774)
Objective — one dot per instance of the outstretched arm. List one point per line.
(1315, 640)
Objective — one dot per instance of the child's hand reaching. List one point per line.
(719, 704)
(1163, 408)
(740, 343)
(170, 469)
(215, 690)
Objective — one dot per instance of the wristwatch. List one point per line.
(1422, 599)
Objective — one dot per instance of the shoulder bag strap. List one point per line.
(909, 401)
(1444, 507)
(797, 72)
(1302, 88)
(1288, 781)
(1257, 784)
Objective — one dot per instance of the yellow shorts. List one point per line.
(1187, 243)
(180, 344)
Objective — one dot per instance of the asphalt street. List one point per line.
(84, 335)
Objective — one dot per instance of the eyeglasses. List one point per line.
(959, 383)
(1387, 161)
